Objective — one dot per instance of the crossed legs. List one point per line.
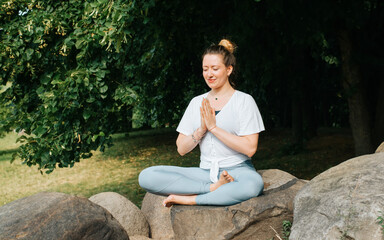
(190, 186)
(191, 199)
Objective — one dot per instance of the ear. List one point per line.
(229, 70)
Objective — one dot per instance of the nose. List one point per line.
(210, 73)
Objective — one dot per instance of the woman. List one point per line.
(226, 124)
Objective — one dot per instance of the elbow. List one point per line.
(182, 153)
(179, 149)
(251, 152)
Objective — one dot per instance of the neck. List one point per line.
(222, 90)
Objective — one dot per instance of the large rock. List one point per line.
(380, 148)
(158, 217)
(127, 213)
(139, 238)
(343, 202)
(252, 219)
(57, 216)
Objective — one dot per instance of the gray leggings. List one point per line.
(167, 180)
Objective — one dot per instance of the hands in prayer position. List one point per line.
(208, 116)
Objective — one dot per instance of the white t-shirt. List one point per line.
(240, 116)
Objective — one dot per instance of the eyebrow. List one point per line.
(210, 66)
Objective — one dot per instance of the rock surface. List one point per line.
(343, 202)
(158, 217)
(251, 219)
(136, 237)
(127, 213)
(57, 216)
(380, 148)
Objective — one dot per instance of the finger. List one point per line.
(205, 107)
(203, 103)
(204, 112)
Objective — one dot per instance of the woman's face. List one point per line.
(214, 71)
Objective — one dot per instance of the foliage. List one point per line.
(62, 72)
(380, 220)
(286, 229)
(74, 72)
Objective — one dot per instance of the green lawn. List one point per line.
(118, 167)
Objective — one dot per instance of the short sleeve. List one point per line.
(250, 117)
(186, 125)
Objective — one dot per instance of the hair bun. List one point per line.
(228, 45)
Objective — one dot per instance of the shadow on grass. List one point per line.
(4, 154)
(329, 148)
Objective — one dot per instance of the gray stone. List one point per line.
(158, 217)
(251, 219)
(138, 237)
(276, 180)
(380, 148)
(57, 216)
(343, 202)
(127, 213)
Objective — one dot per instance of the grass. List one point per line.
(329, 148)
(118, 167)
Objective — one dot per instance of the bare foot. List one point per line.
(224, 178)
(179, 199)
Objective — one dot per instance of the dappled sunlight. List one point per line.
(116, 169)
(19, 180)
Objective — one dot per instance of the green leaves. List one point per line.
(104, 89)
(57, 60)
(29, 53)
(5, 87)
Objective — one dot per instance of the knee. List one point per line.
(255, 186)
(145, 178)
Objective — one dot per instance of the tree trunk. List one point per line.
(358, 113)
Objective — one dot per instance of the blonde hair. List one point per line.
(230, 46)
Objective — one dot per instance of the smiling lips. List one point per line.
(211, 80)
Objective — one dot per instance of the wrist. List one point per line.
(200, 132)
(210, 129)
(196, 136)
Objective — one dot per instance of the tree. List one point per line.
(62, 66)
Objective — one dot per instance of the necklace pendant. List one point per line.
(216, 99)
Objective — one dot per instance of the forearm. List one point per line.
(185, 144)
(244, 144)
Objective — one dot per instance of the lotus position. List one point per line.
(225, 123)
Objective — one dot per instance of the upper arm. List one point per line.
(250, 120)
(188, 122)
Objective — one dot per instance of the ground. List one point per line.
(118, 167)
